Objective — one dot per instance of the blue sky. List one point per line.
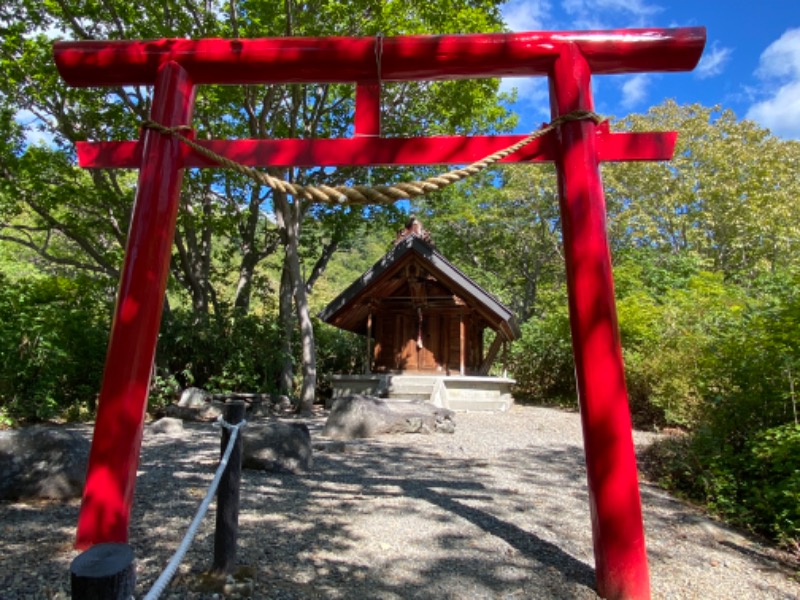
(751, 63)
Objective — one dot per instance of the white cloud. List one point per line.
(593, 14)
(782, 58)
(713, 62)
(781, 112)
(533, 94)
(779, 68)
(527, 15)
(634, 90)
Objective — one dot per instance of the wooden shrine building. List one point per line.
(421, 314)
(423, 317)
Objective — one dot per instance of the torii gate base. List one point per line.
(568, 59)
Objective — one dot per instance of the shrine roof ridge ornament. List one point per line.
(353, 59)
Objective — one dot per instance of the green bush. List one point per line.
(53, 338)
(219, 354)
(541, 360)
(771, 483)
(239, 355)
(338, 351)
(757, 487)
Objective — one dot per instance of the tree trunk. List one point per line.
(287, 328)
(328, 250)
(244, 286)
(289, 216)
(309, 350)
(251, 255)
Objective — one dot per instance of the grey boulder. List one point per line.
(42, 463)
(360, 416)
(277, 446)
(167, 426)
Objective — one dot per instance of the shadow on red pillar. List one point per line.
(615, 505)
(114, 456)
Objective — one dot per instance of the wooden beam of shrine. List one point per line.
(368, 151)
(352, 59)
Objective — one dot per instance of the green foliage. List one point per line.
(729, 194)
(238, 355)
(228, 227)
(53, 336)
(756, 487)
(541, 360)
(772, 483)
(670, 340)
(504, 228)
(741, 458)
(339, 351)
(218, 354)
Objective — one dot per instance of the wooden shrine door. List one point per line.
(418, 343)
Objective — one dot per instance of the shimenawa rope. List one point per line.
(361, 194)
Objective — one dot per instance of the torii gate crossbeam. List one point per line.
(568, 59)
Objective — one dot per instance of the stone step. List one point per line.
(410, 388)
(407, 396)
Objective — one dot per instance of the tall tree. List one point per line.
(226, 224)
(729, 194)
(505, 230)
(729, 197)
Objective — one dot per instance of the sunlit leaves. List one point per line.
(729, 194)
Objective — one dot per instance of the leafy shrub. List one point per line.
(541, 360)
(238, 355)
(216, 353)
(772, 483)
(338, 351)
(53, 338)
(757, 487)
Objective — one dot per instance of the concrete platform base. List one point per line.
(455, 392)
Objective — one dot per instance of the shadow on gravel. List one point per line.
(337, 532)
(39, 566)
(399, 519)
(311, 554)
(528, 544)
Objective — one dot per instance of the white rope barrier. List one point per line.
(162, 582)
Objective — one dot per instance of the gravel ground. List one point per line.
(497, 510)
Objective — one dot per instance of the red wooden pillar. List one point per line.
(367, 120)
(617, 529)
(114, 456)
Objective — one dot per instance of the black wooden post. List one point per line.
(227, 530)
(103, 572)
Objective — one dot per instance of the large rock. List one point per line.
(167, 426)
(210, 411)
(193, 397)
(360, 416)
(42, 462)
(277, 446)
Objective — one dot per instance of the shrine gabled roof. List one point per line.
(350, 309)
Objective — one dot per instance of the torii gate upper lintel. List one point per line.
(176, 66)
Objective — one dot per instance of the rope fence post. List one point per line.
(103, 572)
(227, 529)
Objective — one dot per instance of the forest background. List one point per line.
(703, 246)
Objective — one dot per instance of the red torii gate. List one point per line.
(175, 66)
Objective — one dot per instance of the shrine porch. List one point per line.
(455, 392)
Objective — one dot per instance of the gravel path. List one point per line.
(497, 510)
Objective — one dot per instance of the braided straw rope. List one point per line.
(361, 194)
